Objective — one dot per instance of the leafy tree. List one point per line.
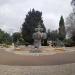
(5, 37)
(68, 42)
(33, 18)
(70, 21)
(62, 32)
(1, 36)
(52, 35)
(73, 36)
(16, 37)
(73, 5)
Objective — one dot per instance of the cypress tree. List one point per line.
(62, 32)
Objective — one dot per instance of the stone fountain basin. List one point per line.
(36, 52)
(10, 58)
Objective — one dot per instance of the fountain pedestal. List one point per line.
(38, 36)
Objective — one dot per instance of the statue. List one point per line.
(38, 36)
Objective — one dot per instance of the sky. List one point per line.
(13, 12)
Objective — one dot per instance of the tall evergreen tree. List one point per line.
(62, 32)
(33, 18)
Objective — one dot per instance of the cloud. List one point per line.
(13, 12)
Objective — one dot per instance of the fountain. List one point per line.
(37, 49)
(38, 36)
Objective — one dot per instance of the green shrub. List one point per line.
(26, 43)
(68, 42)
(7, 46)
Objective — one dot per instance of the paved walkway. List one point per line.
(67, 69)
(57, 64)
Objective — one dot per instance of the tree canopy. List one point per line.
(52, 35)
(62, 32)
(33, 18)
(16, 37)
(70, 23)
(5, 37)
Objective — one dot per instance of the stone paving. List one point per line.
(67, 69)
